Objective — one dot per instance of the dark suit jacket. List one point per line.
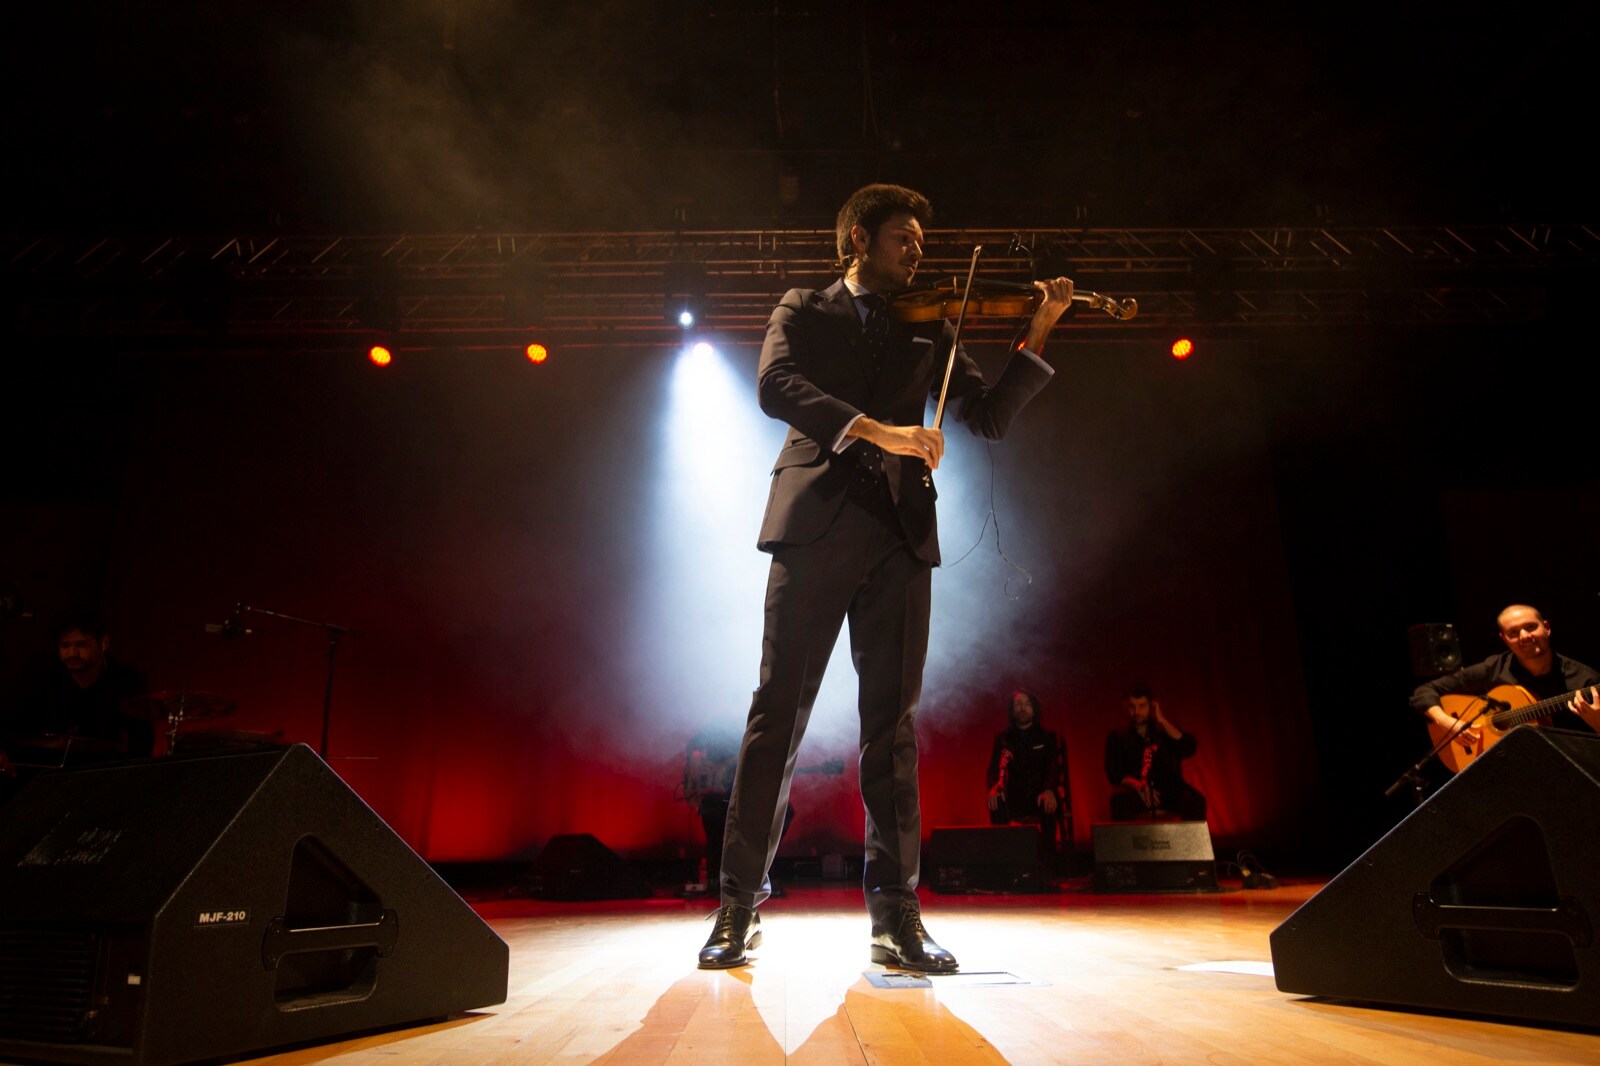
(815, 375)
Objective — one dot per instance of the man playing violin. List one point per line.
(850, 525)
(1528, 661)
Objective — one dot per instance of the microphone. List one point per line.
(233, 627)
(1016, 247)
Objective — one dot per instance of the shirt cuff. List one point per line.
(1037, 359)
(842, 441)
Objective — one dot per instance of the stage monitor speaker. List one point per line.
(1485, 899)
(1154, 857)
(200, 907)
(985, 858)
(1435, 649)
(576, 866)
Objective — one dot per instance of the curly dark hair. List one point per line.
(869, 207)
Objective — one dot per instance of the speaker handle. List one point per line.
(280, 940)
(1567, 918)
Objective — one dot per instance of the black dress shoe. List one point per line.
(907, 946)
(738, 930)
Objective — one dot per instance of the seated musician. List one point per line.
(713, 755)
(70, 708)
(1028, 775)
(1529, 662)
(1144, 764)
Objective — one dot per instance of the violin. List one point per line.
(982, 298)
(990, 298)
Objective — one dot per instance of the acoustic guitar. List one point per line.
(1496, 713)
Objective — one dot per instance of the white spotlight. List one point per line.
(686, 318)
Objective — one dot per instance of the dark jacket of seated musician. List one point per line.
(1027, 767)
(1528, 661)
(1144, 764)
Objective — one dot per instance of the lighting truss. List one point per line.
(605, 289)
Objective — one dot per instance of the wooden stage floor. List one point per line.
(1108, 979)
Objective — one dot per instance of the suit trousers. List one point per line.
(861, 570)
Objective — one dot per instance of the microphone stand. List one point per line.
(335, 632)
(1413, 776)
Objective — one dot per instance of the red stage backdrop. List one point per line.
(539, 637)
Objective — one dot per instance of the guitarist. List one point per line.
(1028, 776)
(711, 760)
(1528, 661)
(1144, 764)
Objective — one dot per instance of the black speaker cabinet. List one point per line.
(1484, 900)
(200, 907)
(1435, 649)
(985, 858)
(1154, 857)
(576, 866)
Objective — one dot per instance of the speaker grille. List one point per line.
(47, 983)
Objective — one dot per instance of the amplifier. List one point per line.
(985, 858)
(1154, 857)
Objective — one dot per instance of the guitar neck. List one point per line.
(1516, 716)
(830, 766)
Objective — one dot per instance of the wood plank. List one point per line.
(616, 983)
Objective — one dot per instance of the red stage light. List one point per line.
(1182, 348)
(537, 353)
(380, 355)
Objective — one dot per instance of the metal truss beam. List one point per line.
(611, 289)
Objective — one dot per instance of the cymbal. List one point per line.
(158, 706)
(64, 741)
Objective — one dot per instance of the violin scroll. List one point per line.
(1121, 310)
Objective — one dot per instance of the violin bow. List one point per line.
(950, 363)
(1122, 310)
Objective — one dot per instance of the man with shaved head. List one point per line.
(1528, 661)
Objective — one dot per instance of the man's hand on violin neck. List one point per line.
(1057, 297)
(919, 442)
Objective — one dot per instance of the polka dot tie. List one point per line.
(876, 328)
